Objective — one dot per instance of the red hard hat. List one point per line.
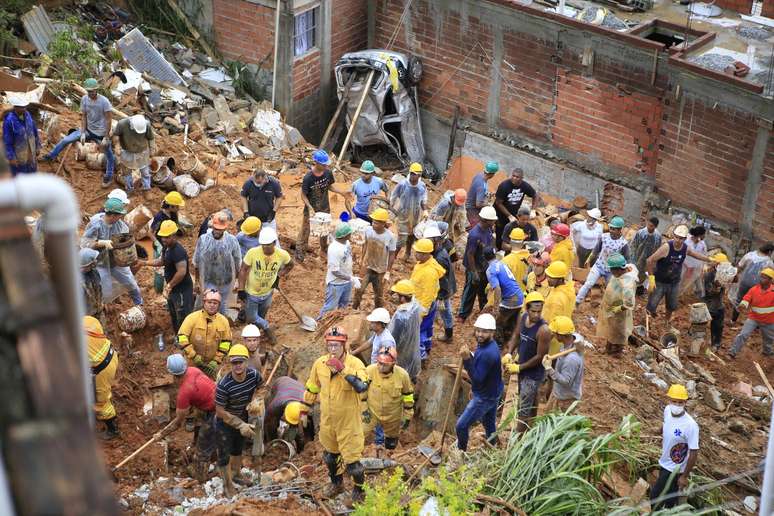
(561, 230)
(387, 355)
(336, 334)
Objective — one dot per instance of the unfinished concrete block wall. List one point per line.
(612, 105)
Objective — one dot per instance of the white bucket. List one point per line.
(725, 273)
(359, 227)
(187, 185)
(320, 224)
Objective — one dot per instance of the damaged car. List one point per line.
(390, 114)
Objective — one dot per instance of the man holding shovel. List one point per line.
(567, 372)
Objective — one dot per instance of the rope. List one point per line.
(400, 22)
(454, 72)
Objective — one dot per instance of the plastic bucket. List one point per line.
(320, 224)
(123, 254)
(187, 185)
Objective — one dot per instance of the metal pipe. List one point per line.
(276, 52)
(767, 489)
(56, 200)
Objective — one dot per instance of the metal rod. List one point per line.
(276, 52)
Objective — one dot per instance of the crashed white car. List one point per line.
(390, 114)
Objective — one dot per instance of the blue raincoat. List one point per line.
(20, 136)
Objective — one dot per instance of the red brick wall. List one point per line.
(604, 122)
(764, 211)
(705, 159)
(349, 26)
(768, 8)
(306, 74)
(243, 31)
(740, 6)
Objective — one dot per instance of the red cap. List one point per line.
(561, 230)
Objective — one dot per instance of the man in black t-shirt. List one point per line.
(522, 221)
(314, 193)
(179, 286)
(263, 197)
(508, 198)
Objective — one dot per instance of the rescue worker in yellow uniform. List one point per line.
(205, 335)
(518, 259)
(104, 362)
(339, 380)
(390, 398)
(560, 299)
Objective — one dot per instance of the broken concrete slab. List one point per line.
(230, 122)
(160, 411)
(711, 396)
(210, 117)
(743, 388)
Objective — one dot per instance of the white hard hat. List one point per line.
(594, 213)
(267, 236)
(18, 101)
(488, 213)
(379, 315)
(139, 123)
(485, 322)
(119, 194)
(681, 231)
(251, 330)
(432, 231)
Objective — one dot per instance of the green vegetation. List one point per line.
(8, 39)
(245, 81)
(71, 51)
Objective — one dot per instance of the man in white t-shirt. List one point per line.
(339, 280)
(679, 449)
(586, 235)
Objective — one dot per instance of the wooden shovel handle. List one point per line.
(140, 449)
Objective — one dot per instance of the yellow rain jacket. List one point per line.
(534, 286)
(208, 336)
(104, 362)
(341, 408)
(565, 252)
(517, 263)
(560, 301)
(425, 278)
(390, 399)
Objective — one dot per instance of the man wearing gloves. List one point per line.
(205, 335)
(404, 327)
(451, 210)
(480, 238)
(616, 313)
(645, 242)
(390, 399)
(103, 360)
(484, 368)
(365, 188)
(759, 300)
(96, 120)
(609, 244)
(339, 381)
(233, 399)
(97, 235)
(339, 279)
(20, 135)
(426, 277)
(217, 259)
(478, 192)
(195, 392)
(377, 257)
(561, 296)
(135, 136)
(409, 201)
(507, 295)
(567, 375)
(448, 282)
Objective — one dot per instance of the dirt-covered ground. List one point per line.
(613, 387)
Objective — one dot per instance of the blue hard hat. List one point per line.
(321, 157)
(176, 364)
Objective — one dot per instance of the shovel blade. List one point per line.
(308, 323)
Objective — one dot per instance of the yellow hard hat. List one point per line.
(238, 350)
(167, 228)
(768, 271)
(719, 258)
(251, 226)
(380, 214)
(562, 325)
(416, 168)
(93, 327)
(677, 392)
(404, 286)
(423, 245)
(293, 412)
(517, 234)
(174, 199)
(557, 269)
(534, 297)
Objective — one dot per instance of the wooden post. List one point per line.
(366, 90)
(335, 117)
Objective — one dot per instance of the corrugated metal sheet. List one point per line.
(144, 57)
(38, 27)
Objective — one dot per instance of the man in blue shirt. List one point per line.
(479, 238)
(507, 294)
(486, 380)
(20, 135)
(478, 192)
(365, 188)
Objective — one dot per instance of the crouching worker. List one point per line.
(104, 362)
(339, 379)
(390, 399)
(567, 371)
(195, 393)
(233, 396)
(287, 416)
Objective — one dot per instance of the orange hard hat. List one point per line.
(460, 196)
(387, 355)
(336, 333)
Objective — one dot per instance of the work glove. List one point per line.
(464, 352)
(547, 362)
(198, 360)
(335, 365)
(241, 295)
(512, 368)
(366, 416)
(83, 138)
(507, 359)
(425, 214)
(254, 407)
(105, 244)
(157, 436)
(245, 429)
(211, 368)
(742, 305)
(616, 309)
(356, 283)
(387, 277)
(651, 283)
(105, 142)
(405, 424)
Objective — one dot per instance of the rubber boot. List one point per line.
(357, 472)
(235, 463)
(228, 483)
(448, 335)
(111, 430)
(336, 486)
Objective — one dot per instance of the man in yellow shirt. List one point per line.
(563, 249)
(390, 398)
(261, 268)
(518, 259)
(426, 278)
(205, 335)
(104, 362)
(560, 299)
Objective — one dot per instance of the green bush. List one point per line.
(72, 53)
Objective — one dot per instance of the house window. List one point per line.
(305, 31)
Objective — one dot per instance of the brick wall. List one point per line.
(768, 8)
(739, 6)
(244, 31)
(349, 27)
(764, 212)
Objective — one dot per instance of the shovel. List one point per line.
(307, 323)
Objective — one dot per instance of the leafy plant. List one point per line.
(75, 58)
(385, 498)
(7, 37)
(454, 492)
(246, 82)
